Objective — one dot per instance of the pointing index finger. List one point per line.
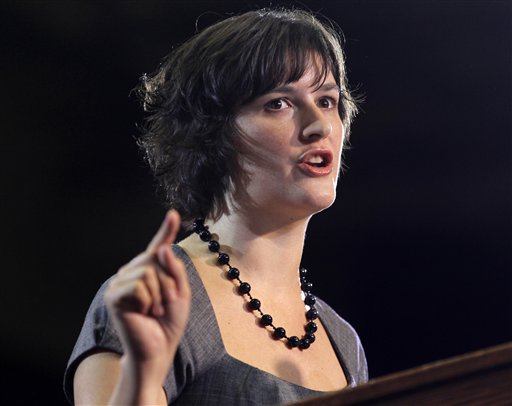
(167, 232)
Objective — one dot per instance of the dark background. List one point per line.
(416, 252)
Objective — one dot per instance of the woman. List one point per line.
(245, 133)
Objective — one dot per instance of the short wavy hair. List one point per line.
(189, 136)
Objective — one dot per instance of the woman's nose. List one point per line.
(316, 126)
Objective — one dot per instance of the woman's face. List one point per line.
(294, 138)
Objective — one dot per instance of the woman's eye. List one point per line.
(277, 104)
(328, 102)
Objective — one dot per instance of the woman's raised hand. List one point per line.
(149, 300)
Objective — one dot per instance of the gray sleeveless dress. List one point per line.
(203, 373)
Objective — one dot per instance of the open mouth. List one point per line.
(316, 162)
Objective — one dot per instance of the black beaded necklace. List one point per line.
(254, 304)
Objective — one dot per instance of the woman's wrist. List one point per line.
(139, 383)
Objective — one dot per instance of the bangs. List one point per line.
(285, 53)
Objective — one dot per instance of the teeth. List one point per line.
(317, 159)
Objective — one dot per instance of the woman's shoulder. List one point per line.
(346, 341)
(337, 324)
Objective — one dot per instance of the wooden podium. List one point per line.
(479, 378)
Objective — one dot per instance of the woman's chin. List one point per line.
(325, 203)
(316, 203)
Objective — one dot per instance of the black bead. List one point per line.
(266, 320)
(293, 341)
(244, 288)
(312, 314)
(233, 273)
(254, 304)
(198, 225)
(223, 258)
(304, 343)
(311, 337)
(303, 272)
(213, 246)
(311, 327)
(205, 235)
(306, 286)
(310, 300)
(303, 279)
(279, 333)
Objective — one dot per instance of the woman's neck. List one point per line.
(266, 250)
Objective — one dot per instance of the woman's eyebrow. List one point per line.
(288, 88)
(329, 86)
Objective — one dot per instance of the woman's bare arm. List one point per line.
(95, 382)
